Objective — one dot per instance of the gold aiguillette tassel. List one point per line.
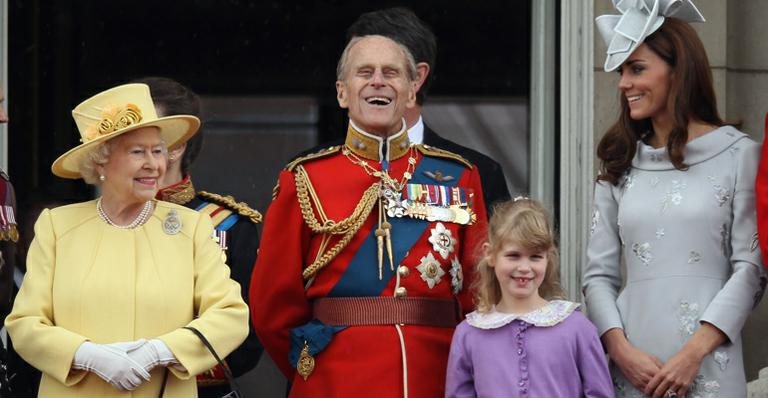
(388, 235)
(306, 363)
(380, 243)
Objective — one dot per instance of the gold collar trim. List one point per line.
(180, 193)
(372, 147)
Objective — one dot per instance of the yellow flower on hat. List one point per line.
(113, 118)
(116, 111)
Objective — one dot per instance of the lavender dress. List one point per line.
(689, 242)
(551, 352)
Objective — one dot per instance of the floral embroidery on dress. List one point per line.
(643, 252)
(694, 257)
(673, 196)
(759, 293)
(621, 229)
(755, 243)
(618, 385)
(721, 358)
(703, 388)
(721, 194)
(725, 241)
(688, 316)
(622, 390)
(629, 182)
(659, 232)
(595, 220)
(654, 181)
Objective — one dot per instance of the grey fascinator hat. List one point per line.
(623, 33)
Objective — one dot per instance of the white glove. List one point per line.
(111, 364)
(147, 353)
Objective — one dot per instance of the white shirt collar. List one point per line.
(549, 315)
(416, 133)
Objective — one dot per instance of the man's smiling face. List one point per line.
(376, 86)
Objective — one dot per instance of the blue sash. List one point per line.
(361, 278)
(226, 223)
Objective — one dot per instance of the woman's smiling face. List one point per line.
(645, 81)
(136, 161)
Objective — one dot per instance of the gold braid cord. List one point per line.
(347, 227)
(241, 208)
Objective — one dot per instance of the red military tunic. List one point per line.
(384, 360)
(761, 199)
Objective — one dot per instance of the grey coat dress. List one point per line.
(689, 243)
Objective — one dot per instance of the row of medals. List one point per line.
(396, 206)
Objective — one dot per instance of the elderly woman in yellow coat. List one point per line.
(111, 283)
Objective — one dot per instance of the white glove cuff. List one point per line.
(164, 354)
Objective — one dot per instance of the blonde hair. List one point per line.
(526, 223)
(98, 156)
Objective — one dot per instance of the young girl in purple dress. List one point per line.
(523, 341)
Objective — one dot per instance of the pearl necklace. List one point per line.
(139, 220)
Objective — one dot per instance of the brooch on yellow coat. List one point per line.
(172, 223)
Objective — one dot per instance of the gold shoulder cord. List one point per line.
(347, 227)
(241, 208)
(442, 153)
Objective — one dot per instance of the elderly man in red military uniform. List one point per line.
(9, 233)
(360, 276)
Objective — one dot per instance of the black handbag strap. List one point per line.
(165, 380)
(228, 373)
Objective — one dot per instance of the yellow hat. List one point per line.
(117, 111)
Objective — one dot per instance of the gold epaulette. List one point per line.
(442, 153)
(228, 201)
(319, 154)
(276, 189)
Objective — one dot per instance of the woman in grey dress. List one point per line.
(674, 203)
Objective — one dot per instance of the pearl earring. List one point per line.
(171, 158)
(102, 178)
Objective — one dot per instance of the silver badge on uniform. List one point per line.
(442, 240)
(430, 269)
(172, 223)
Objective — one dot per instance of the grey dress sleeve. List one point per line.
(602, 279)
(742, 291)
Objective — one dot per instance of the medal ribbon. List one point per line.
(361, 278)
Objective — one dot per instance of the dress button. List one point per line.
(401, 292)
(403, 271)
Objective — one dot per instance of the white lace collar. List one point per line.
(549, 315)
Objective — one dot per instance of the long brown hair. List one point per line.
(691, 97)
(526, 223)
